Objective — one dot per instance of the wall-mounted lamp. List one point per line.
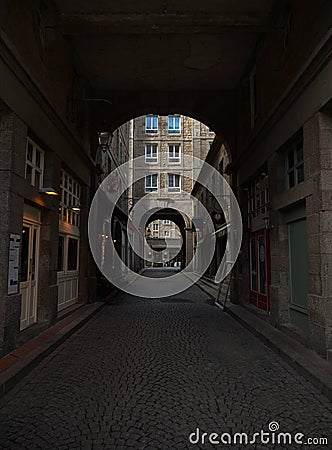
(104, 138)
(48, 191)
(76, 208)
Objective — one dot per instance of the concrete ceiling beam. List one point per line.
(177, 23)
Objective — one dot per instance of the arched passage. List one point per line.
(165, 153)
(180, 250)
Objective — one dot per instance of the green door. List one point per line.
(298, 258)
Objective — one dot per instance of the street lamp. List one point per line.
(76, 207)
(104, 139)
(48, 191)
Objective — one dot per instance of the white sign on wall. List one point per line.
(13, 262)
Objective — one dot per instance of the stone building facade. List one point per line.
(218, 158)
(47, 176)
(163, 228)
(281, 173)
(44, 150)
(113, 151)
(284, 267)
(280, 166)
(163, 141)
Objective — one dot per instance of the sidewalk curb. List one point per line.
(311, 366)
(207, 290)
(17, 364)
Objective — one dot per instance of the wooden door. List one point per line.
(259, 249)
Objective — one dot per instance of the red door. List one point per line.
(260, 278)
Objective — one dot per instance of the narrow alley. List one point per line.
(165, 224)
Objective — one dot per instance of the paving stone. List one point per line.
(145, 374)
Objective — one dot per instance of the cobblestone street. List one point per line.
(144, 374)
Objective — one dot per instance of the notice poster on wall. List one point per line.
(14, 254)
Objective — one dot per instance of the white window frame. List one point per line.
(297, 163)
(171, 127)
(174, 188)
(149, 187)
(149, 124)
(150, 149)
(65, 270)
(167, 222)
(167, 233)
(70, 196)
(172, 159)
(33, 164)
(155, 227)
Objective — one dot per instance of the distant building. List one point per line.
(163, 142)
(219, 159)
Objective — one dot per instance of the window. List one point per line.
(67, 253)
(61, 253)
(70, 198)
(167, 233)
(151, 153)
(155, 227)
(167, 222)
(174, 183)
(295, 165)
(174, 124)
(151, 183)
(258, 199)
(72, 263)
(174, 155)
(34, 164)
(151, 124)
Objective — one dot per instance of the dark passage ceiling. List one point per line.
(130, 49)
